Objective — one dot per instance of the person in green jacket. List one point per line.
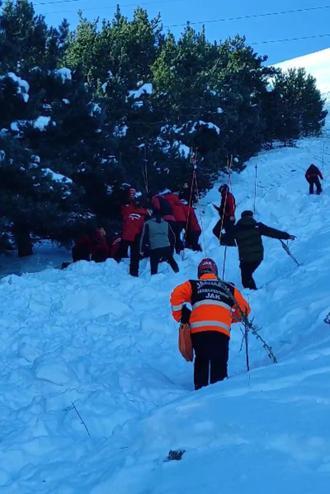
(248, 236)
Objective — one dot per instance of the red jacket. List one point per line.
(100, 249)
(177, 207)
(158, 204)
(193, 224)
(133, 221)
(114, 246)
(82, 249)
(312, 173)
(230, 204)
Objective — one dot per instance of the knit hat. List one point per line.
(247, 212)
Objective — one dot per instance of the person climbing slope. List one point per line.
(160, 237)
(248, 235)
(226, 211)
(215, 306)
(192, 227)
(313, 175)
(133, 216)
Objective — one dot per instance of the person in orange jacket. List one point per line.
(215, 306)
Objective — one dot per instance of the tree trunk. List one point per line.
(23, 241)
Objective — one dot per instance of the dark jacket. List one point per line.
(313, 173)
(82, 249)
(247, 233)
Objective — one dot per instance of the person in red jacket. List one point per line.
(312, 176)
(193, 230)
(226, 211)
(160, 205)
(133, 216)
(82, 249)
(179, 216)
(100, 248)
(114, 246)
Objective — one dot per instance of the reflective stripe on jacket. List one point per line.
(215, 304)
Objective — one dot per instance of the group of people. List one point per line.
(164, 223)
(246, 234)
(216, 304)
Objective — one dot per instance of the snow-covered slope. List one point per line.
(317, 64)
(94, 394)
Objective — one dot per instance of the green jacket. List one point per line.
(247, 233)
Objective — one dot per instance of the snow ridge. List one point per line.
(93, 338)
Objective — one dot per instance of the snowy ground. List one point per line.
(94, 394)
(46, 255)
(91, 340)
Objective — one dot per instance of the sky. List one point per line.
(259, 29)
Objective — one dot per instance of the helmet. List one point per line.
(207, 265)
(223, 188)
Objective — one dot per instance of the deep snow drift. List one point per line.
(93, 341)
(94, 394)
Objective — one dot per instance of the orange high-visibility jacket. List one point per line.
(215, 304)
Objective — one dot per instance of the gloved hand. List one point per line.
(185, 315)
(292, 237)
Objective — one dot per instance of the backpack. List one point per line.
(184, 343)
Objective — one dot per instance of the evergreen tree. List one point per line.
(33, 203)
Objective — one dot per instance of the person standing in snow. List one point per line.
(313, 175)
(215, 306)
(100, 248)
(133, 216)
(82, 248)
(192, 228)
(248, 235)
(226, 211)
(160, 237)
(179, 216)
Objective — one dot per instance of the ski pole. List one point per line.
(224, 262)
(287, 250)
(250, 326)
(246, 338)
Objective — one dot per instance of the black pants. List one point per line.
(134, 254)
(227, 226)
(211, 357)
(317, 183)
(192, 241)
(177, 227)
(247, 270)
(162, 254)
